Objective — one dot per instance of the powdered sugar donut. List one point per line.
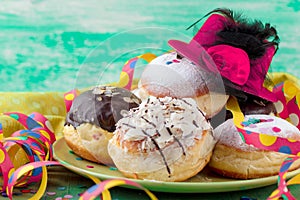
(234, 158)
(164, 139)
(171, 75)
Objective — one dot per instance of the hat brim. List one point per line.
(195, 53)
(199, 56)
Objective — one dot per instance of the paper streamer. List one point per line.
(96, 190)
(288, 104)
(105, 193)
(282, 192)
(69, 97)
(126, 76)
(36, 141)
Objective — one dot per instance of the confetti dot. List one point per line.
(169, 62)
(276, 129)
(68, 196)
(113, 168)
(294, 119)
(267, 140)
(292, 140)
(124, 79)
(71, 152)
(51, 193)
(62, 188)
(279, 106)
(176, 61)
(285, 149)
(26, 191)
(69, 97)
(291, 90)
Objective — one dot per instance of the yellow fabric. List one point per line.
(50, 104)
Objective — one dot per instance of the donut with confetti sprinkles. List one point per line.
(259, 137)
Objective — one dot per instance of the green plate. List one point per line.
(204, 182)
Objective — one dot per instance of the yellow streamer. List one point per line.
(105, 194)
(234, 107)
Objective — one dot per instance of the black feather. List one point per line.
(251, 36)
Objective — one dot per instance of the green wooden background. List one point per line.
(48, 45)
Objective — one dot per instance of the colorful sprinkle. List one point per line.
(113, 168)
(276, 129)
(90, 166)
(51, 193)
(26, 191)
(61, 188)
(68, 196)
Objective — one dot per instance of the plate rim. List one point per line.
(193, 187)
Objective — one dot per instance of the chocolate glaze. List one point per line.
(101, 106)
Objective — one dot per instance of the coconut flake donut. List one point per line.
(236, 159)
(91, 121)
(169, 75)
(164, 139)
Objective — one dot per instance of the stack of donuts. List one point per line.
(175, 123)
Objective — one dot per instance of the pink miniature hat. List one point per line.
(231, 62)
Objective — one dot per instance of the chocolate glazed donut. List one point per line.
(103, 106)
(91, 121)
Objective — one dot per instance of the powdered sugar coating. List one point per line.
(168, 75)
(227, 134)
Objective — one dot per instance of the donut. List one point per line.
(164, 139)
(236, 159)
(178, 77)
(250, 106)
(92, 119)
